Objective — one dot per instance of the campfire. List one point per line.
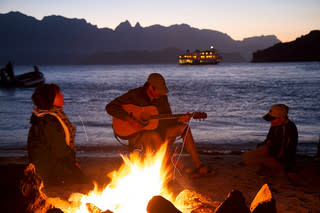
(130, 189)
(139, 185)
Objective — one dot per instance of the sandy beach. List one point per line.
(295, 192)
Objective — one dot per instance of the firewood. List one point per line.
(31, 186)
(159, 204)
(263, 201)
(54, 210)
(94, 209)
(234, 202)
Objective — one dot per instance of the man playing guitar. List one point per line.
(133, 109)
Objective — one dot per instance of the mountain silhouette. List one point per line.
(59, 40)
(305, 48)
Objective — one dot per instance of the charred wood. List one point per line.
(263, 201)
(159, 204)
(31, 185)
(54, 210)
(234, 202)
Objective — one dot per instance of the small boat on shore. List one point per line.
(29, 79)
(200, 57)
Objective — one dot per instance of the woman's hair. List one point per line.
(43, 96)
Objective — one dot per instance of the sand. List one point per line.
(294, 192)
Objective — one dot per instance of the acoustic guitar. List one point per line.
(148, 117)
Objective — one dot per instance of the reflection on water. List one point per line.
(234, 95)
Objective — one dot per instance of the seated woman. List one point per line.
(51, 138)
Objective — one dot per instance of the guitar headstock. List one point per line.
(199, 115)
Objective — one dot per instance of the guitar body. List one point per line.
(123, 128)
(149, 116)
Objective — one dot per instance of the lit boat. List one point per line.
(200, 57)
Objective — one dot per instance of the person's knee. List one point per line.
(176, 130)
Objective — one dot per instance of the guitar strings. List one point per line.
(84, 128)
(175, 163)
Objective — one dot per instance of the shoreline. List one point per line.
(97, 150)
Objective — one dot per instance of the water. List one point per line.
(234, 95)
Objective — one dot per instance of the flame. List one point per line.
(130, 189)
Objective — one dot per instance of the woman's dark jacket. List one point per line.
(48, 151)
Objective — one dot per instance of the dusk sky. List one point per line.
(286, 19)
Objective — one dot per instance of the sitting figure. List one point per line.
(7, 74)
(36, 71)
(51, 138)
(9, 70)
(278, 151)
(154, 93)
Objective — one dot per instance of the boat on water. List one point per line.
(29, 79)
(200, 57)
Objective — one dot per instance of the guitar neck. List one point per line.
(166, 116)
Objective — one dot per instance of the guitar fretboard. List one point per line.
(166, 116)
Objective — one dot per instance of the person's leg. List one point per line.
(260, 157)
(178, 130)
(256, 156)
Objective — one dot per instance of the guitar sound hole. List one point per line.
(144, 116)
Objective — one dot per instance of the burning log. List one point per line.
(188, 200)
(21, 190)
(31, 185)
(234, 202)
(159, 204)
(94, 209)
(263, 201)
(54, 210)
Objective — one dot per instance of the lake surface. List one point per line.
(234, 95)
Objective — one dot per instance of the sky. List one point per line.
(286, 19)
